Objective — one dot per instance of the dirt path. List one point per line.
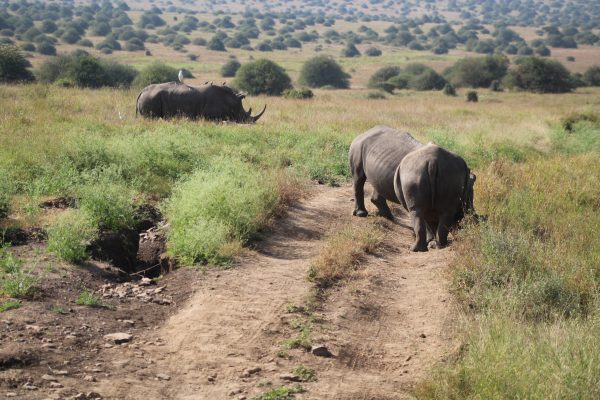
(385, 328)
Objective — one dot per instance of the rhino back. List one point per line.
(433, 179)
(378, 153)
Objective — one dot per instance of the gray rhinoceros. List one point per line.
(434, 185)
(211, 102)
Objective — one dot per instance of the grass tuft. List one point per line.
(88, 298)
(9, 305)
(70, 234)
(281, 393)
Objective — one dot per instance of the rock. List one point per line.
(163, 377)
(118, 337)
(212, 378)
(50, 378)
(146, 282)
(290, 378)
(87, 396)
(128, 322)
(320, 350)
(89, 378)
(251, 371)
(55, 385)
(11, 394)
(61, 372)
(29, 386)
(234, 392)
(423, 335)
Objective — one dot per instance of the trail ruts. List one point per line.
(386, 328)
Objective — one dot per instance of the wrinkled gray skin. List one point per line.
(211, 102)
(434, 185)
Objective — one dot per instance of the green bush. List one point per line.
(86, 71)
(449, 90)
(107, 205)
(373, 52)
(262, 77)
(226, 203)
(540, 75)
(427, 80)
(350, 51)
(478, 71)
(298, 93)
(13, 65)
(472, 96)
(46, 48)
(322, 71)
(591, 76)
(215, 44)
(230, 68)
(70, 234)
(379, 79)
(156, 72)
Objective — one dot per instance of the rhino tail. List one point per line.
(432, 172)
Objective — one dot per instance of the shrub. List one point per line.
(449, 90)
(47, 49)
(350, 51)
(373, 52)
(156, 72)
(86, 71)
(218, 209)
(427, 80)
(70, 234)
(298, 93)
(215, 44)
(85, 43)
(199, 42)
(472, 96)
(380, 78)
(540, 75)
(70, 36)
(6, 192)
(591, 76)
(88, 298)
(134, 44)
(262, 77)
(495, 86)
(322, 71)
(478, 71)
(230, 68)
(28, 47)
(118, 75)
(13, 65)
(376, 96)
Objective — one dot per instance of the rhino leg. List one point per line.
(420, 227)
(443, 229)
(431, 230)
(381, 205)
(359, 180)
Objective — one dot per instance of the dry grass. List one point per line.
(342, 252)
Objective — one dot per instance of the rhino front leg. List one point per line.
(381, 205)
(420, 227)
(359, 180)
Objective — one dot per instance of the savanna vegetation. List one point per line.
(527, 279)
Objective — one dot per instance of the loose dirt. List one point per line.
(386, 328)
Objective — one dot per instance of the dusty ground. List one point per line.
(386, 328)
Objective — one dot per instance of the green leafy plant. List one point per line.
(70, 234)
(88, 298)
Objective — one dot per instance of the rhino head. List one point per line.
(248, 118)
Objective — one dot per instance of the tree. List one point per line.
(229, 69)
(13, 65)
(373, 52)
(46, 48)
(262, 77)
(323, 71)
(155, 73)
(591, 76)
(540, 75)
(478, 71)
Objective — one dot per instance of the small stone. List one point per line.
(118, 337)
(408, 358)
(423, 335)
(128, 322)
(212, 378)
(11, 394)
(89, 378)
(146, 282)
(29, 386)
(320, 350)
(47, 377)
(251, 371)
(163, 377)
(61, 372)
(234, 392)
(93, 396)
(290, 378)
(55, 385)
(48, 346)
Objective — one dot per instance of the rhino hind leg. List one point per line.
(359, 195)
(381, 204)
(443, 229)
(420, 227)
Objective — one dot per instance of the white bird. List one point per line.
(180, 75)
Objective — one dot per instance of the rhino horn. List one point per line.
(255, 118)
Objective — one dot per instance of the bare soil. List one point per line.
(220, 333)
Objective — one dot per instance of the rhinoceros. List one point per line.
(433, 184)
(211, 102)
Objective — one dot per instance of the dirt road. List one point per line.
(386, 329)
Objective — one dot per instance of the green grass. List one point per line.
(15, 281)
(305, 374)
(9, 305)
(88, 298)
(281, 393)
(70, 234)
